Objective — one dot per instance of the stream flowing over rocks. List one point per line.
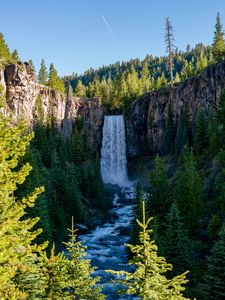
(105, 244)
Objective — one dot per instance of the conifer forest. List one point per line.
(112, 179)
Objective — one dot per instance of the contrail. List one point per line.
(108, 27)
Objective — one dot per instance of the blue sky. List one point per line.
(74, 35)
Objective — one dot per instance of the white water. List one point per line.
(105, 244)
(113, 152)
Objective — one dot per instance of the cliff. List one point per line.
(24, 96)
(146, 121)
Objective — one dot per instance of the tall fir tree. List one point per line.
(218, 45)
(214, 287)
(4, 50)
(149, 280)
(43, 73)
(188, 191)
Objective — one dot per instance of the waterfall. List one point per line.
(113, 152)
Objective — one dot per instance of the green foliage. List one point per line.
(183, 135)
(80, 89)
(43, 73)
(55, 81)
(214, 279)
(148, 281)
(218, 46)
(170, 131)
(16, 237)
(15, 56)
(188, 191)
(78, 272)
(201, 134)
(175, 244)
(159, 188)
(4, 50)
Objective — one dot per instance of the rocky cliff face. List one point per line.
(145, 123)
(24, 95)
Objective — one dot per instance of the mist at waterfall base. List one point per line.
(105, 244)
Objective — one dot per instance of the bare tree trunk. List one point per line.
(169, 39)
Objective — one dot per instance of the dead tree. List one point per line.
(169, 40)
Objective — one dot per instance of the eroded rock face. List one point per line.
(22, 92)
(145, 124)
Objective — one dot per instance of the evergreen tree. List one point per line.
(170, 131)
(177, 78)
(175, 243)
(15, 56)
(201, 63)
(43, 73)
(188, 191)
(145, 82)
(159, 187)
(78, 272)
(55, 81)
(201, 134)
(148, 281)
(183, 135)
(16, 237)
(4, 50)
(218, 46)
(80, 90)
(215, 276)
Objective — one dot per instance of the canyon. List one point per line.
(145, 121)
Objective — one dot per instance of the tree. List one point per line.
(145, 82)
(188, 191)
(78, 272)
(201, 63)
(32, 65)
(218, 45)
(55, 81)
(215, 276)
(4, 50)
(43, 73)
(183, 134)
(16, 235)
(80, 89)
(175, 243)
(169, 40)
(159, 187)
(149, 281)
(15, 56)
(170, 131)
(201, 134)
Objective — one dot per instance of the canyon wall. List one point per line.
(25, 97)
(146, 121)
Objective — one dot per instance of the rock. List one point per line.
(145, 122)
(81, 228)
(123, 230)
(22, 92)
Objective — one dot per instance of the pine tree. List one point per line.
(201, 134)
(145, 82)
(183, 134)
(175, 243)
(4, 50)
(43, 73)
(55, 81)
(215, 276)
(188, 191)
(218, 45)
(148, 281)
(15, 56)
(80, 90)
(170, 131)
(16, 237)
(177, 78)
(201, 63)
(78, 272)
(159, 187)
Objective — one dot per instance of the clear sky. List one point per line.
(78, 34)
